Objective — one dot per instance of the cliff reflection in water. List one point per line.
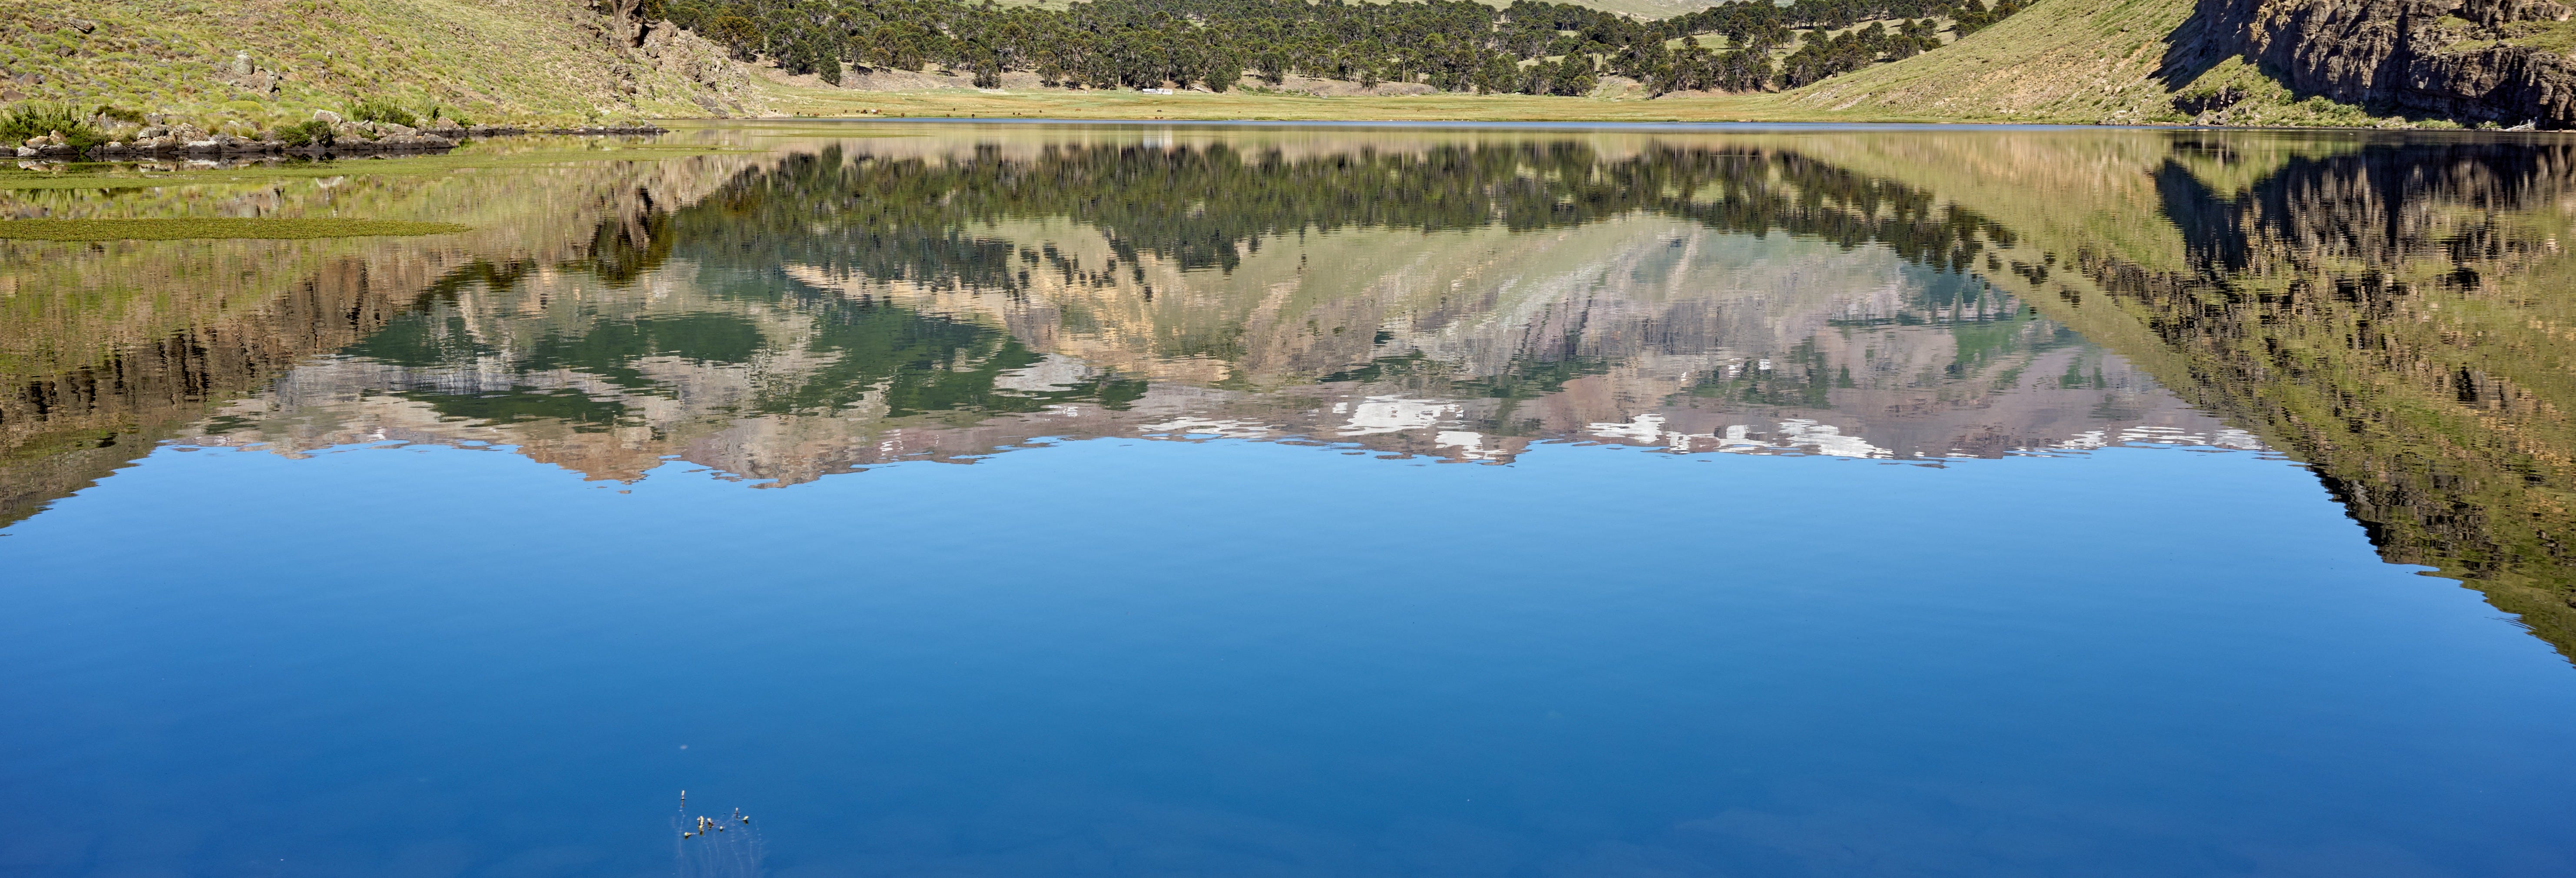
(845, 308)
(2391, 312)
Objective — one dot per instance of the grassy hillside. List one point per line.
(500, 60)
(270, 61)
(1637, 8)
(2059, 61)
(2074, 61)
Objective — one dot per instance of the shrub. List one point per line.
(37, 120)
(316, 132)
(122, 114)
(372, 110)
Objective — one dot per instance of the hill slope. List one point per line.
(276, 60)
(2075, 61)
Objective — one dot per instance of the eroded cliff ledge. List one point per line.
(2473, 61)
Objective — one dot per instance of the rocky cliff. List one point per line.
(2472, 61)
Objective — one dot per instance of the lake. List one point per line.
(805, 498)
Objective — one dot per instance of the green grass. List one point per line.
(203, 228)
(2547, 36)
(504, 61)
(2060, 62)
(534, 152)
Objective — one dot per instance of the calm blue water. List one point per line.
(1125, 657)
(1098, 501)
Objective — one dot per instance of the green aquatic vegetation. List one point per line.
(185, 228)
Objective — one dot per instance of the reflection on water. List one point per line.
(2383, 310)
(880, 300)
(2392, 313)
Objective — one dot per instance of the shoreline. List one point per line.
(425, 141)
(1600, 125)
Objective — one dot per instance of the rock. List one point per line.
(326, 117)
(26, 152)
(396, 129)
(84, 25)
(151, 131)
(243, 74)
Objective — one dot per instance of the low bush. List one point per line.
(37, 120)
(373, 110)
(313, 133)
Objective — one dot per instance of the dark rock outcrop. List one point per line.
(2390, 55)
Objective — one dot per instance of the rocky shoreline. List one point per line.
(156, 139)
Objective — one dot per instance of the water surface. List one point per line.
(1074, 500)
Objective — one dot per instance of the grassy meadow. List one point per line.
(497, 61)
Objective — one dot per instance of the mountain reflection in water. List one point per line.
(2387, 311)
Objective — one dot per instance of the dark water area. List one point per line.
(943, 499)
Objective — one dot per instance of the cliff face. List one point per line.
(2453, 59)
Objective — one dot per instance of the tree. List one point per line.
(737, 34)
(1574, 77)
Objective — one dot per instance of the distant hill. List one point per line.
(1638, 8)
(272, 60)
(2071, 61)
(2331, 62)
(2238, 62)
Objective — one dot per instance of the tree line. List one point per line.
(1530, 47)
